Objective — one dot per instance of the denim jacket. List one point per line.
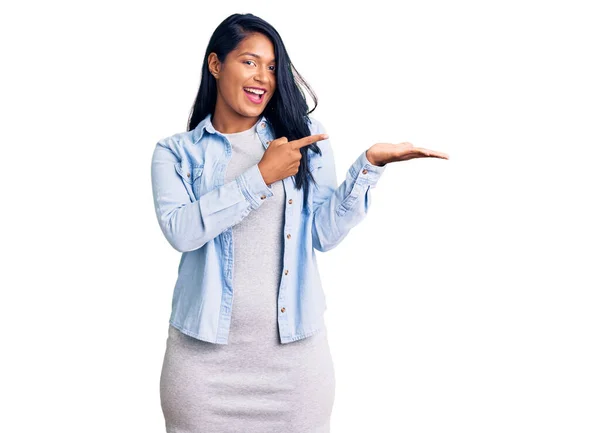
(196, 210)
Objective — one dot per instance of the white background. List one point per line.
(468, 299)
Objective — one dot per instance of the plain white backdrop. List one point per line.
(476, 278)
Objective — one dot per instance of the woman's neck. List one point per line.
(229, 122)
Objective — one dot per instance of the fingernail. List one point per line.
(325, 136)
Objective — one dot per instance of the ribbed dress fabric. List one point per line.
(253, 384)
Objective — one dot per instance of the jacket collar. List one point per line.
(206, 125)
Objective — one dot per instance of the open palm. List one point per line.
(383, 153)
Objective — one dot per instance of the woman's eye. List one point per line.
(272, 68)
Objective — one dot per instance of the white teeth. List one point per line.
(256, 91)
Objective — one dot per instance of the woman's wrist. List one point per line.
(372, 161)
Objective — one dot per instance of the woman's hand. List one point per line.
(282, 157)
(382, 153)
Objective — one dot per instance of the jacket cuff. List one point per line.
(366, 173)
(253, 186)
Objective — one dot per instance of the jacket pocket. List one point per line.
(191, 175)
(314, 164)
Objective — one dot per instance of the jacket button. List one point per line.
(289, 236)
(262, 197)
(365, 171)
(188, 175)
(262, 125)
(286, 271)
(290, 201)
(268, 142)
(283, 309)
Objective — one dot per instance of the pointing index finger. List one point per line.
(305, 141)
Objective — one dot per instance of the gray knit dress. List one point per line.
(253, 384)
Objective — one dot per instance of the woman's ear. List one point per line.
(214, 66)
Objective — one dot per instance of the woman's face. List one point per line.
(250, 65)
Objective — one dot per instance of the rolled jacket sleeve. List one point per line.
(337, 209)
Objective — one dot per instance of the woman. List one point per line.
(241, 196)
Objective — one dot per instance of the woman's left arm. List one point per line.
(337, 209)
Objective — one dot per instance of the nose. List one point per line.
(260, 76)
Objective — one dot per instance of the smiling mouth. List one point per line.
(253, 97)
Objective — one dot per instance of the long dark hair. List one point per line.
(287, 110)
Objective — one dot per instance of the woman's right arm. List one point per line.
(187, 224)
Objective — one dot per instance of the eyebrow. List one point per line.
(247, 53)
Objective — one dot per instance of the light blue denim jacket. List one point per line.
(196, 210)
